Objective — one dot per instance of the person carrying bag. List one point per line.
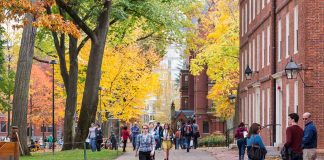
(255, 147)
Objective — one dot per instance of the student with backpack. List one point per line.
(99, 137)
(196, 134)
(187, 130)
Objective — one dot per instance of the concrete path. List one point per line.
(194, 154)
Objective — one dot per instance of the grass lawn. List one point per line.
(74, 155)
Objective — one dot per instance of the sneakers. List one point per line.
(187, 149)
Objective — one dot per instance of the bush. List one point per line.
(213, 140)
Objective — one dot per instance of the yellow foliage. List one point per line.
(217, 45)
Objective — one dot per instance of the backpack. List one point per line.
(188, 130)
(194, 128)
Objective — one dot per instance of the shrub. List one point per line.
(213, 140)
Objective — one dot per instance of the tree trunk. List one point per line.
(21, 90)
(90, 94)
(71, 95)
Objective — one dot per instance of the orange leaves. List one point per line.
(15, 9)
(55, 22)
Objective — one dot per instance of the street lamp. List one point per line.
(43, 129)
(53, 62)
(291, 69)
(232, 98)
(248, 72)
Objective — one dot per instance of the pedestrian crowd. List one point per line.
(300, 144)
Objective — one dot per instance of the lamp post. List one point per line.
(232, 98)
(248, 73)
(53, 62)
(292, 71)
(43, 131)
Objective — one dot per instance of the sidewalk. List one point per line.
(194, 154)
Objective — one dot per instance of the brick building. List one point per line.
(272, 32)
(193, 100)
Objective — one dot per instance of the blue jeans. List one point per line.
(134, 141)
(241, 147)
(187, 142)
(93, 144)
(177, 143)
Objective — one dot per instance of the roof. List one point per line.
(187, 113)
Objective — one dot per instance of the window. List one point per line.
(185, 101)
(296, 97)
(279, 40)
(3, 126)
(268, 45)
(250, 109)
(296, 29)
(186, 80)
(262, 48)
(246, 17)
(243, 69)
(242, 110)
(253, 10)
(205, 127)
(49, 129)
(246, 110)
(242, 22)
(287, 35)
(258, 6)
(263, 111)
(253, 107)
(262, 3)
(287, 103)
(257, 106)
(245, 60)
(258, 52)
(250, 57)
(268, 106)
(253, 55)
(250, 8)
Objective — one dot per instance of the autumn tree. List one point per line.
(216, 46)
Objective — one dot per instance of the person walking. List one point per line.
(254, 139)
(240, 139)
(92, 137)
(125, 136)
(145, 145)
(134, 132)
(182, 138)
(50, 141)
(294, 135)
(196, 134)
(309, 141)
(152, 132)
(99, 137)
(167, 138)
(177, 138)
(188, 134)
(158, 132)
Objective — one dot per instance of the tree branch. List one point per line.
(83, 42)
(76, 19)
(147, 36)
(40, 60)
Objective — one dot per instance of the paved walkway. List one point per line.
(194, 154)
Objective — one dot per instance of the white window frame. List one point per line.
(246, 109)
(287, 103)
(287, 34)
(268, 106)
(243, 69)
(296, 29)
(250, 11)
(258, 6)
(246, 58)
(268, 45)
(263, 103)
(253, 107)
(262, 3)
(258, 53)
(279, 40)
(253, 10)
(268, 1)
(242, 110)
(250, 109)
(296, 97)
(262, 49)
(257, 106)
(242, 22)
(246, 18)
(250, 54)
(253, 55)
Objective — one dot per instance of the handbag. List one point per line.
(256, 152)
(87, 140)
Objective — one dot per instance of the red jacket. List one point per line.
(239, 132)
(124, 134)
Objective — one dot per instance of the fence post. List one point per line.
(85, 151)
